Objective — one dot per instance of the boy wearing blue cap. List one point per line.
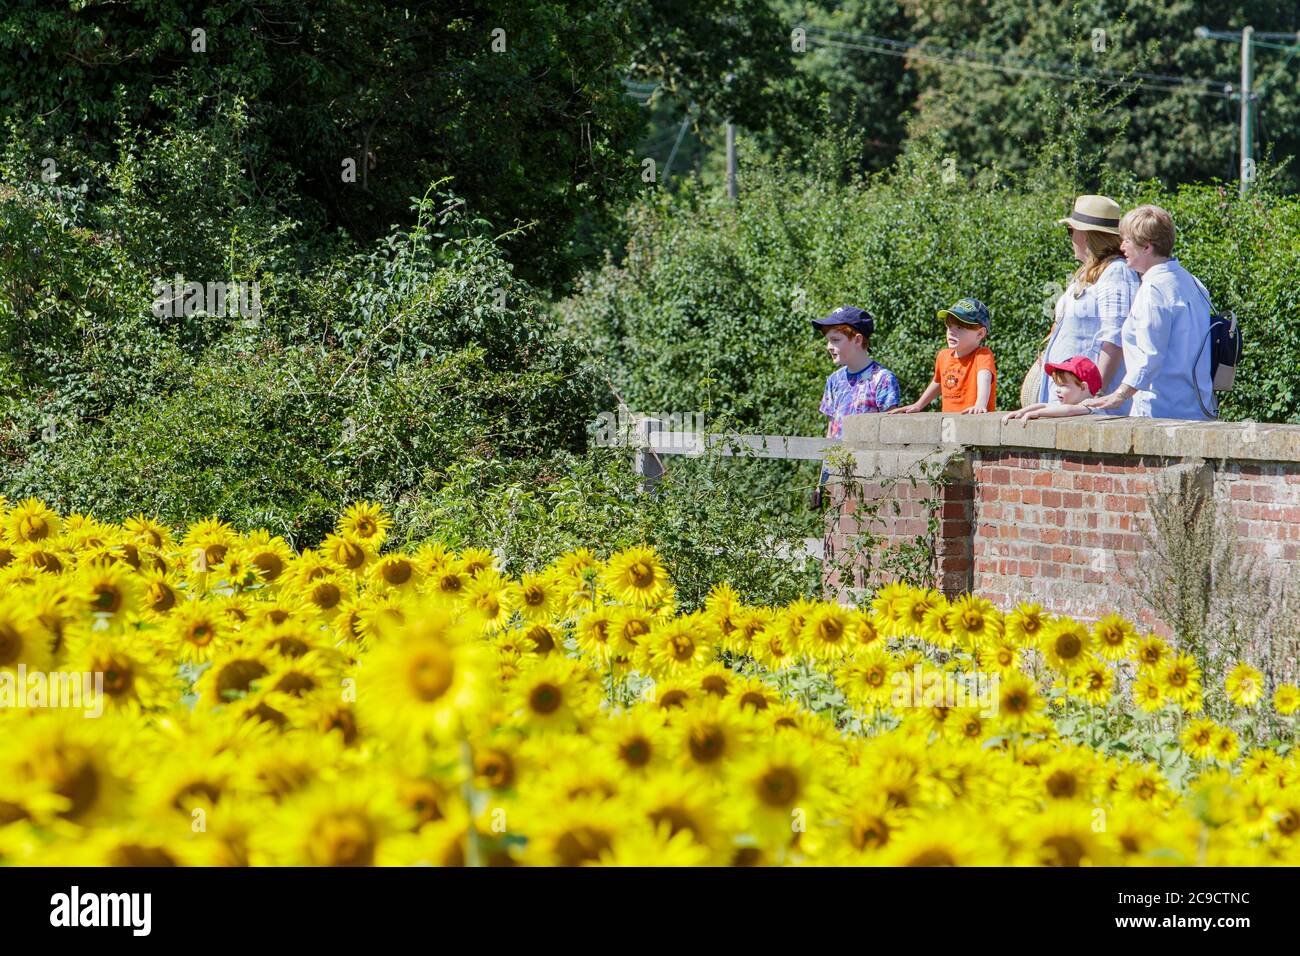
(860, 384)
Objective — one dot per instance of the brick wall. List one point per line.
(1057, 511)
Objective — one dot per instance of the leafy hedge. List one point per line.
(708, 305)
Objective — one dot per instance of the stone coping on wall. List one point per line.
(1108, 435)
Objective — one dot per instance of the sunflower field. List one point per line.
(351, 705)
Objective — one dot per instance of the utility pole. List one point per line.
(1247, 114)
(731, 160)
(1248, 38)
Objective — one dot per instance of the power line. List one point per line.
(903, 49)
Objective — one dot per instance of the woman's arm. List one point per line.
(1108, 362)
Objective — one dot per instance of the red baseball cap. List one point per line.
(1081, 367)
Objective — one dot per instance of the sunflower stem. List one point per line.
(473, 853)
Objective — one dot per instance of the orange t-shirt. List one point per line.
(958, 378)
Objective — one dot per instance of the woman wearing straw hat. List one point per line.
(1090, 314)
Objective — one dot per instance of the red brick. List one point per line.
(1072, 499)
(1062, 555)
(1032, 496)
(1028, 569)
(1263, 493)
(999, 476)
(1051, 499)
(1049, 570)
(1072, 464)
(1240, 492)
(1042, 479)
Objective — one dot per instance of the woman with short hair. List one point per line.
(1166, 353)
(1091, 312)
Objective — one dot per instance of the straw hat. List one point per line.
(1096, 213)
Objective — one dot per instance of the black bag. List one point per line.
(1226, 345)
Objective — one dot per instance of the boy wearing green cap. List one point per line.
(965, 374)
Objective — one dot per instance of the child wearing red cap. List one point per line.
(1076, 380)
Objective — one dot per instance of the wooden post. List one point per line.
(648, 465)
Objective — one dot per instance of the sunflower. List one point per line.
(943, 840)
(130, 674)
(868, 678)
(555, 694)
(888, 608)
(779, 790)
(685, 802)
(205, 544)
(1062, 835)
(748, 628)
(270, 555)
(628, 627)
(23, 642)
(676, 646)
(827, 632)
(1024, 625)
(77, 762)
(344, 823)
(1147, 694)
(1198, 739)
(1094, 682)
(493, 596)
(654, 846)
(576, 833)
(196, 631)
(753, 695)
(31, 521)
(1001, 655)
(109, 592)
(1066, 645)
(1226, 745)
(1286, 699)
(937, 627)
(230, 675)
(1180, 679)
(149, 532)
(715, 679)
(635, 576)
(543, 639)
(1115, 637)
(1151, 652)
(366, 522)
(596, 634)
(324, 596)
(159, 593)
(974, 620)
(539, 597)
(1244, 685)
(914, 609)
(710, 735)
(1018, 702)
(430, 679)
(774, 649)
(350, 554)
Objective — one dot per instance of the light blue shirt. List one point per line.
(1087, 322)
(1166, 331)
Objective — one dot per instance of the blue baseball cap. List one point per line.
(850, 315)
(969, 311)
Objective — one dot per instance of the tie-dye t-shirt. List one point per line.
(873, 389)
